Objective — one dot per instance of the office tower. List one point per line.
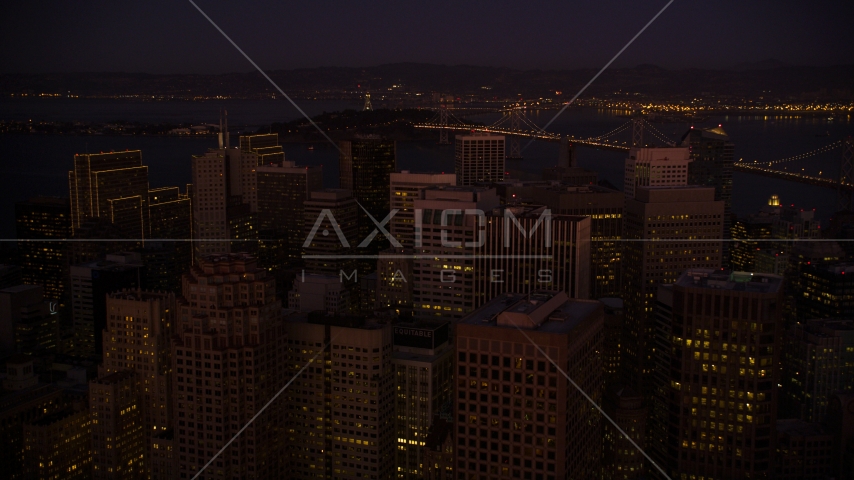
(282, 191)
(840, 422)
(365, 164)
(423, 363)
(44, 263)
(613, 337)
(405, 188)
(341, 408)
(824, 291)
(169, 220)
(667, 231)
(528, 248)
(605, 209)
(711, 165)
(367, 293)
(331, 232)
(620, 459)
(317, 292)
(718, 339)
(229, 351)
(517, 416)
(447, 288)
(818, 359)
(118, 429)
(803, 451)
(27, 401)
(479, 157)
(10, 276)
(134, 315)
(28, 324)
(90, 283)
(395, 280)
(112, 186)
(655, 167)
(58, 445)
(439, 451)
(748, 234)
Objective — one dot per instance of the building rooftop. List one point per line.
(114, 378)
(729, 280)
(795, 427)
(545, 311)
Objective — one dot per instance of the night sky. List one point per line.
(159, 36)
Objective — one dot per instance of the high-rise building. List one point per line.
(28, 324)
(44, 262)
(331, 232)
(314, 292)
(718, 339)
(58, 445)
(90, 284)
(112, 186)
(439, 451)
(840, 422)
(818, 359)
(118, 429)
(423, 363)
(824, 291)
(446, 287)
(228, 361)
(170, 222)
(748, 234)
(365, 165)
(479, 157)
(282, 191)
(517, 416)
(712, 155)
(605, 209)
(655, 167)
(395, 280)
(803, 451)
(341, 407)
(667, 231)
(613, 336)
(620, 459)
(405, 188)
(138, 331)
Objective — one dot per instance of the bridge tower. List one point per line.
(368, 107)
(513, 150)
(637, 131)
(846, 175)
(443, 121)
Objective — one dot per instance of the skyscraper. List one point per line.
(229, 361)
(112, 186)
(667, 231)
(718, 336)
(331, 232)
(43, 262)
(118, 429)
(423, 362)
(655, 167)
(341, 408)
(28, 323)
(479, 157)
(57, 445)
(817, 360)
(282, 190)
(711, 165)
(620, 459)
(405, 188)
(90, 283)
(366, 164)
(517, 416)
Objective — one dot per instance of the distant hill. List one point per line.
(744, 80)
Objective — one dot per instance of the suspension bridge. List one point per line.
(637, 132)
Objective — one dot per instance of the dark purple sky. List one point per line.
(159, 36)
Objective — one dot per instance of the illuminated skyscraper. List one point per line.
(516, 415)
(228, 360)
(118, 428)
(621, 460)
(718, 338)
(331, 232)
(423, 375)
(58, 446)
(341, 408)
(366, 164)
(655, 167)
(479, 157)
(667, 231)
(405, 188)
(44, 263)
